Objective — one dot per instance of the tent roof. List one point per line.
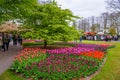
(101, 33)
(89, 33)
(7, 27)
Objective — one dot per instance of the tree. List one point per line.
(112, 31)
(94, 27)
(47, 21)
(105, 17)
(114, 5)
(114, 20)
(84, 25)
(16, 9)
(98, 23)
(50, 22)
(74, 24)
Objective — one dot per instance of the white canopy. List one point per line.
(101, 33)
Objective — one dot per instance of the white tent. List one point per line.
(100, 33)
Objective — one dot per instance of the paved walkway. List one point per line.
(6, 58)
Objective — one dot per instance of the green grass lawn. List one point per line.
(8, 75)
(110, 71)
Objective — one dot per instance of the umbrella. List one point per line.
(89, 33)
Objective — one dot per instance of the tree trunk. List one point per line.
(45, 44)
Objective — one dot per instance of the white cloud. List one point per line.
(84, 8)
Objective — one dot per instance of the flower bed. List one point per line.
(26, 57)
(63, 66)
(58, 64)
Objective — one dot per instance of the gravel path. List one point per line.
(6, 58)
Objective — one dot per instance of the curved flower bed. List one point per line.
(63, 66)
(58, 64)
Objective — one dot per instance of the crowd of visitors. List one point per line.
(102, 37)
(6, 38)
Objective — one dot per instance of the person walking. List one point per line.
(15, 37)
(81, 39)
(1, 44)
(20, 39)
(5, 41)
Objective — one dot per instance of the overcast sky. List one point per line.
(84, 8)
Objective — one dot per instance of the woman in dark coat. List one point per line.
(5, 40)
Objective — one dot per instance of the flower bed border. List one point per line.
(94, 74)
